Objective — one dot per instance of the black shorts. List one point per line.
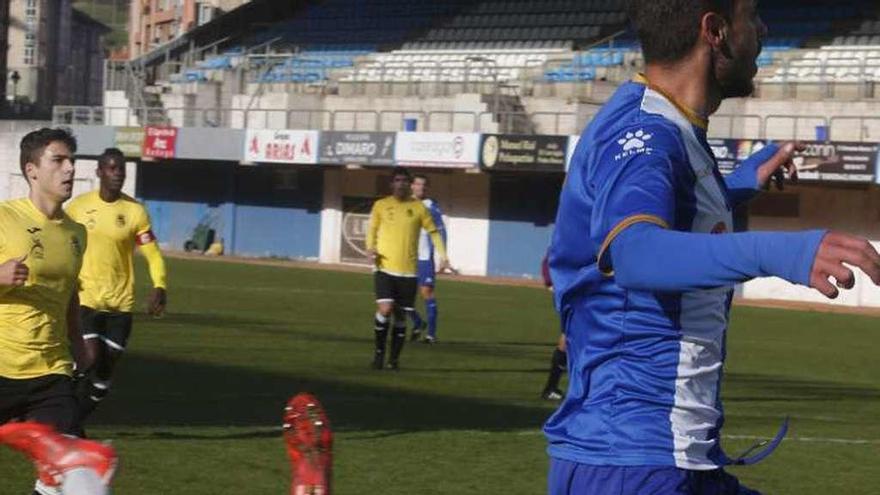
(399, 290)
(113, 328)
(47, 399)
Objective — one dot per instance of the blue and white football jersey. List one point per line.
(426, 247)
(645, 367)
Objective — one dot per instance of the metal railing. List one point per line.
(868, 127)
(773, 126)
(325, 120)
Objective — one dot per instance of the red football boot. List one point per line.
(55, 454)
(309, 445)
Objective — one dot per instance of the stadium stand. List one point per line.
(339, 64)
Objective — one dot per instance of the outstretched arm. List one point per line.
(754, 172)
(648, 257)
(634, 221)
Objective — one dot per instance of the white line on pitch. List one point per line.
(844, 441)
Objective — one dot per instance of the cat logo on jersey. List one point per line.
(37, 251)
(409, 212)
(120, 220)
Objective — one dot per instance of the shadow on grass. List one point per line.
(746, 387)
(219, 322)
(156, 392)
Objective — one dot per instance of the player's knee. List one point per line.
(385, 308)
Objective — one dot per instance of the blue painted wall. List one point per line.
(251, 208)
(522, 209)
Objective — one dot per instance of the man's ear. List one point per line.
(715, 30)
(30, 171)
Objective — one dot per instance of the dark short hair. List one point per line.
(668, 29)
(34, 143)
(398, 171)
(110, 155)
(421, 176)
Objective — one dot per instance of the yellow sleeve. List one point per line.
(150, 249)
(431, 228)
(156, 263)
(373, 228)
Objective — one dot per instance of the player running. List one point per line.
(41, 249)
(425, 267)
(115, 223)
(644, 263)
(392, 244)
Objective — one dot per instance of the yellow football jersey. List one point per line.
(33, 317)
(394, 231)
(107, 275)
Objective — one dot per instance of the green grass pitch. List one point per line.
(197, 401)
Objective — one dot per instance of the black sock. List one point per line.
(557, 367)
(381, 327)
(91, 393)
(397, 341)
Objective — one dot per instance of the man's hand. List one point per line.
(780, 163)
(836, 249)
(157, 302)
(443, 265)
(83, 356)
(14, 272)
(373, 256)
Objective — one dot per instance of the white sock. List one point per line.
(44, 489)
(83, 481)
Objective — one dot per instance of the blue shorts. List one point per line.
(426, 273)
(571, 478)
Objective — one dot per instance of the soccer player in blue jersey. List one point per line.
(644, 262)
(426, 272)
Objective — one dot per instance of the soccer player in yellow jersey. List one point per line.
(41, 251)
(115, 223)
(393, 242)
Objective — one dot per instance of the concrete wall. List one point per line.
(521, 215)
(278, 110)
(789, 118)
(256, 211)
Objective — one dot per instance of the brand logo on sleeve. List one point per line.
(634, 143)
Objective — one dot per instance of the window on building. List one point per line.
(205, 13)
(30, 35)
